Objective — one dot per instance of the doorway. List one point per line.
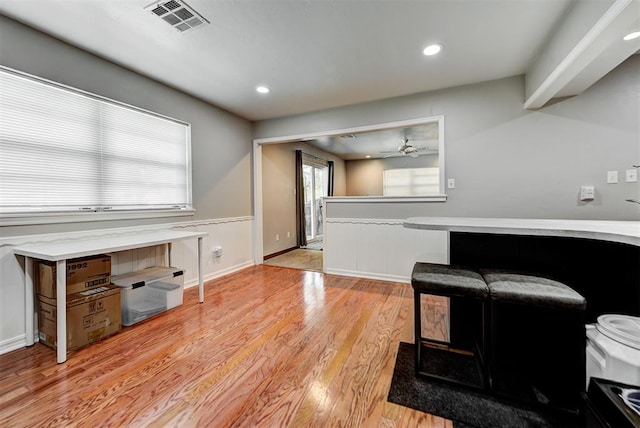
(315, 179)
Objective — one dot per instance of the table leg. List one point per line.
(28, 300)
(200, 282)
(61, 318)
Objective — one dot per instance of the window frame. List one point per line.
(100, 214)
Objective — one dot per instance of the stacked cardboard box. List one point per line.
(93, 306)
(82, 274)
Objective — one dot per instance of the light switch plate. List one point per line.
(612, 177)
(451, 183)
(587, 193)
(631, 176)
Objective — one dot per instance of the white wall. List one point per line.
(379, 248)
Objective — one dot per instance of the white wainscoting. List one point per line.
(234, 235)
(380, 249)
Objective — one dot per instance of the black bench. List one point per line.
(537, 339)
(460, 363)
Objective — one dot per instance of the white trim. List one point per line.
(369, 275)
(384, 199)
(218, 274)
(81, 217)
(354, 130)
(12, 344)
(441, 154)
(258, 241)
(377, 221)
(211, 221)
(83, 234)
(564, 71)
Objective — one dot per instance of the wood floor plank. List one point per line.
(270, 346)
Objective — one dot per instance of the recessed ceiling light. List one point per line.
(367, 156)
(432, 49)
(263, 89)
(632, 36)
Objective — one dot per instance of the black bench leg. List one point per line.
(417, 323)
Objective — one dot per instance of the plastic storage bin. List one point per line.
(149, 292)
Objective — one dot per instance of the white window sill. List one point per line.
(385, 199)
(77, 217)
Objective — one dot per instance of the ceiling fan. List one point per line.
(407, 149)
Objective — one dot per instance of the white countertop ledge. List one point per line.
(625, 232)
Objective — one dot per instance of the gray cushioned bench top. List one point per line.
(448, 280)
(505, 286)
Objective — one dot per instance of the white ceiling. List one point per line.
(313, 54)
(383, 143)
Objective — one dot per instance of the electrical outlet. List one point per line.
(631, 176)
(277, 236)
(612, 177)
(217, 251)
(587, 193)
(451, 183)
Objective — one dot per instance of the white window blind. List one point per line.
(411, 182)
(65, 150)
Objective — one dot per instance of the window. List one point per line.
(64, 150)
(411, 181)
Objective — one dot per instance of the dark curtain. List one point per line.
(330, 184)
(301, 227)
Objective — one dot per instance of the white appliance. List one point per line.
(613, 349)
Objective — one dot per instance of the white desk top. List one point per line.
(626, 232)
(88, 247)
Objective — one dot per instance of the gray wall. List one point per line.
(507, 161)
(278, 192)
(220, 141)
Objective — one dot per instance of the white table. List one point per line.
(62, 251)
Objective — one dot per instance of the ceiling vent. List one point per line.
(177, 14)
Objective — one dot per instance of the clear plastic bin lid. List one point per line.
(146, 276)
(164, 286)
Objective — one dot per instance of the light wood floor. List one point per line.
(270, 347)
(299, 258)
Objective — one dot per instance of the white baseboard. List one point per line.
(218, 274)
(369, 275)
(12, 344)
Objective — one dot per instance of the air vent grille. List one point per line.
(177, 14)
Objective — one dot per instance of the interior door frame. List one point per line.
(258, 221)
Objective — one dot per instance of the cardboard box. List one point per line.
(82, 274)
(92, 315)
